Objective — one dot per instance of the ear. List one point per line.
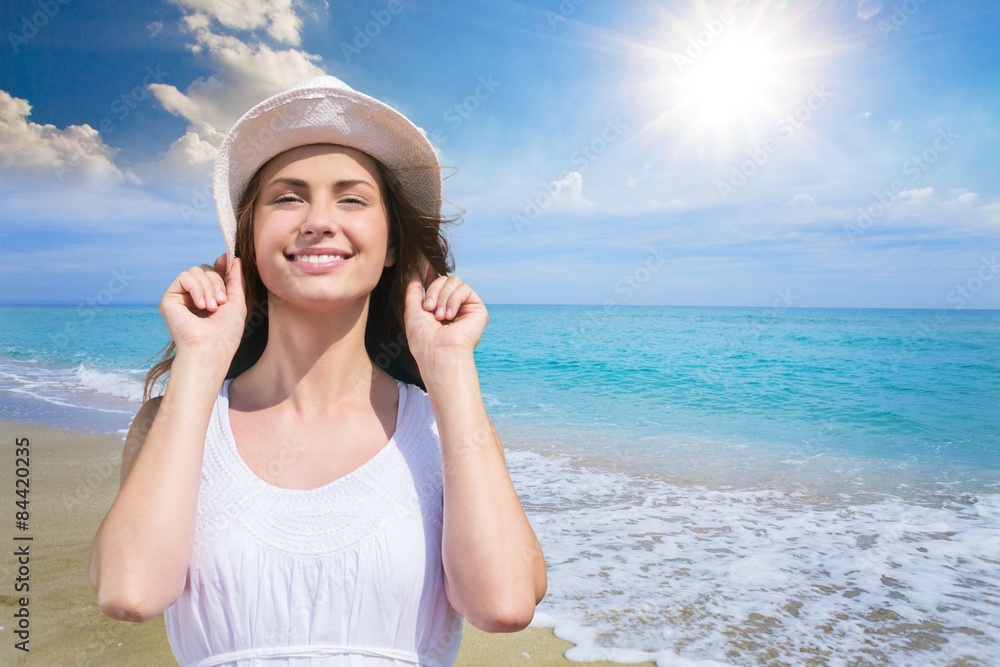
(390, 255)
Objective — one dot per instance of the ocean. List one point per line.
(711, 486)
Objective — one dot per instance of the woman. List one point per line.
(320, 483)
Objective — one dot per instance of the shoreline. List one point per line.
(73, 480)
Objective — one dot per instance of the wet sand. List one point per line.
(73, 480)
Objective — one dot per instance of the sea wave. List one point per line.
(643, 569)
(113, 383)
(81, 387)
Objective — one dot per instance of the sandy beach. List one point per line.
(73, 480)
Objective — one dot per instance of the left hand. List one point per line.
(449, 318)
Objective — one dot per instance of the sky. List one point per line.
(735, 153)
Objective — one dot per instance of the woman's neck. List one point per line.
(312, 360)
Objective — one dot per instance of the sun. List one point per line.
(735, 80)
(720, 77)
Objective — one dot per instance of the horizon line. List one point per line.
(613, 306)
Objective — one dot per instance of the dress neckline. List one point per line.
(371, 463)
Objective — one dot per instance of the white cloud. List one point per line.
(799, 210)
(567, 194)
(277, 17)
(154, 28)
(895, 124)
(916, 194)
(967, 198)
(802, 201)
(660, 205)
(243, 76)
(992, 212)
(74, 155)
(650, 206)
(188, 160)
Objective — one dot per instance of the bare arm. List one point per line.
(142, 548)
(494, 570)
(140, 555)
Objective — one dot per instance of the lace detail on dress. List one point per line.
(403, 478)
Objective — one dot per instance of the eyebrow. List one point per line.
(342, 184)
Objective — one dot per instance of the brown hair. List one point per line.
(415, 234)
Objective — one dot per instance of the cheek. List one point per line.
(376, 234)
(265, 256)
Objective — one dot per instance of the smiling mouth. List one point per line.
(317, 259)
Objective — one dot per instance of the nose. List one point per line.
(320, 220)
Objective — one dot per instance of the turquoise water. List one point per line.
(911, 387)
(749, 486)
(921, 386)
(78, 367)
(108, 338)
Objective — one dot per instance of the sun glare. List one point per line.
(730, 82)
(725, 74)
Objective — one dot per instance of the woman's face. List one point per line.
(321, 228)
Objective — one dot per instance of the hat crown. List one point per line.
(324, 81)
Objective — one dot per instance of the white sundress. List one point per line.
(344, 575)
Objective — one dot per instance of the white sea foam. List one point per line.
(687, 575)
(82, 387)
(111, 383)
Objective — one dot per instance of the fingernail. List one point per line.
(448, 313)
(212, 303)
(440, 311)
(221, 296)
(429, 303)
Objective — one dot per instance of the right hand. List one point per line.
(205, 311)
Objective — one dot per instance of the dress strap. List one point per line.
(316, 651)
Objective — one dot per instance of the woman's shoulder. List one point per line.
(143, 420)
(415, 393)
(417, 416)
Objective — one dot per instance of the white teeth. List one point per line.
(317, 259)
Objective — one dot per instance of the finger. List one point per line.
(234, 281)
(451, 299)
(208, 286)
(220, 267)
(210, 283)
(196, 286)
(455, 300)
(433, 291)
(215, 274)
(441, 290)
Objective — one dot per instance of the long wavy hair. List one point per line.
(415, 234)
